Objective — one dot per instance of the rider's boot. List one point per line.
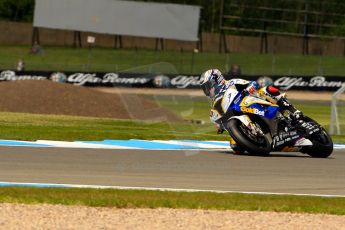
(286, 105)
(273, 95)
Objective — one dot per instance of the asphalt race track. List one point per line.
(188, 169)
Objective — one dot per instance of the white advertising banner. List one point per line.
(144, 19)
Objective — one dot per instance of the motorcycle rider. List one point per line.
(214, 86)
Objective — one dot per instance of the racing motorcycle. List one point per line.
(260, 127)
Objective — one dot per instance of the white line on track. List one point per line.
(67, 144)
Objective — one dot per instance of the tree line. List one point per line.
(17, 10)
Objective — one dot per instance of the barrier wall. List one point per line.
(180, 81)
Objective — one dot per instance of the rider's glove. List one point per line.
(219, 129)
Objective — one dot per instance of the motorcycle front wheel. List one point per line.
(256, 145)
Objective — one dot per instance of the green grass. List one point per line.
(158, 199)
(108, 59)
(185, 106)
(21, 126)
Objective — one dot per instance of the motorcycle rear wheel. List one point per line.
(237, 130)
(322, 145)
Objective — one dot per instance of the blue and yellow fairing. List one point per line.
(257, 106)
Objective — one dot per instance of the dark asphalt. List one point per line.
(282, 173)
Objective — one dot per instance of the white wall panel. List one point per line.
(168, 21)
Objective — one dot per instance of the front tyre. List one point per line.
(257, 145)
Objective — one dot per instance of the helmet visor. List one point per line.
(207, 86)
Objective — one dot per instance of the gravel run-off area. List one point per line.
(23, 216)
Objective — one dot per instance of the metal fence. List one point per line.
(298, 18)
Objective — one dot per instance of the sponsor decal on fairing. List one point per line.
(253, 110)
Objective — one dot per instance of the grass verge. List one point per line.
(21, 126)
(141, 60)
(158, 199)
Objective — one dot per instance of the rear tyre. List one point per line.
(252, 144)
(322, 145)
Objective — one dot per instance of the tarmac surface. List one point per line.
(189, 169)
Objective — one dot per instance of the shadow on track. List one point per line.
(274, 154)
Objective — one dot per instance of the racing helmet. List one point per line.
(210, 79)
